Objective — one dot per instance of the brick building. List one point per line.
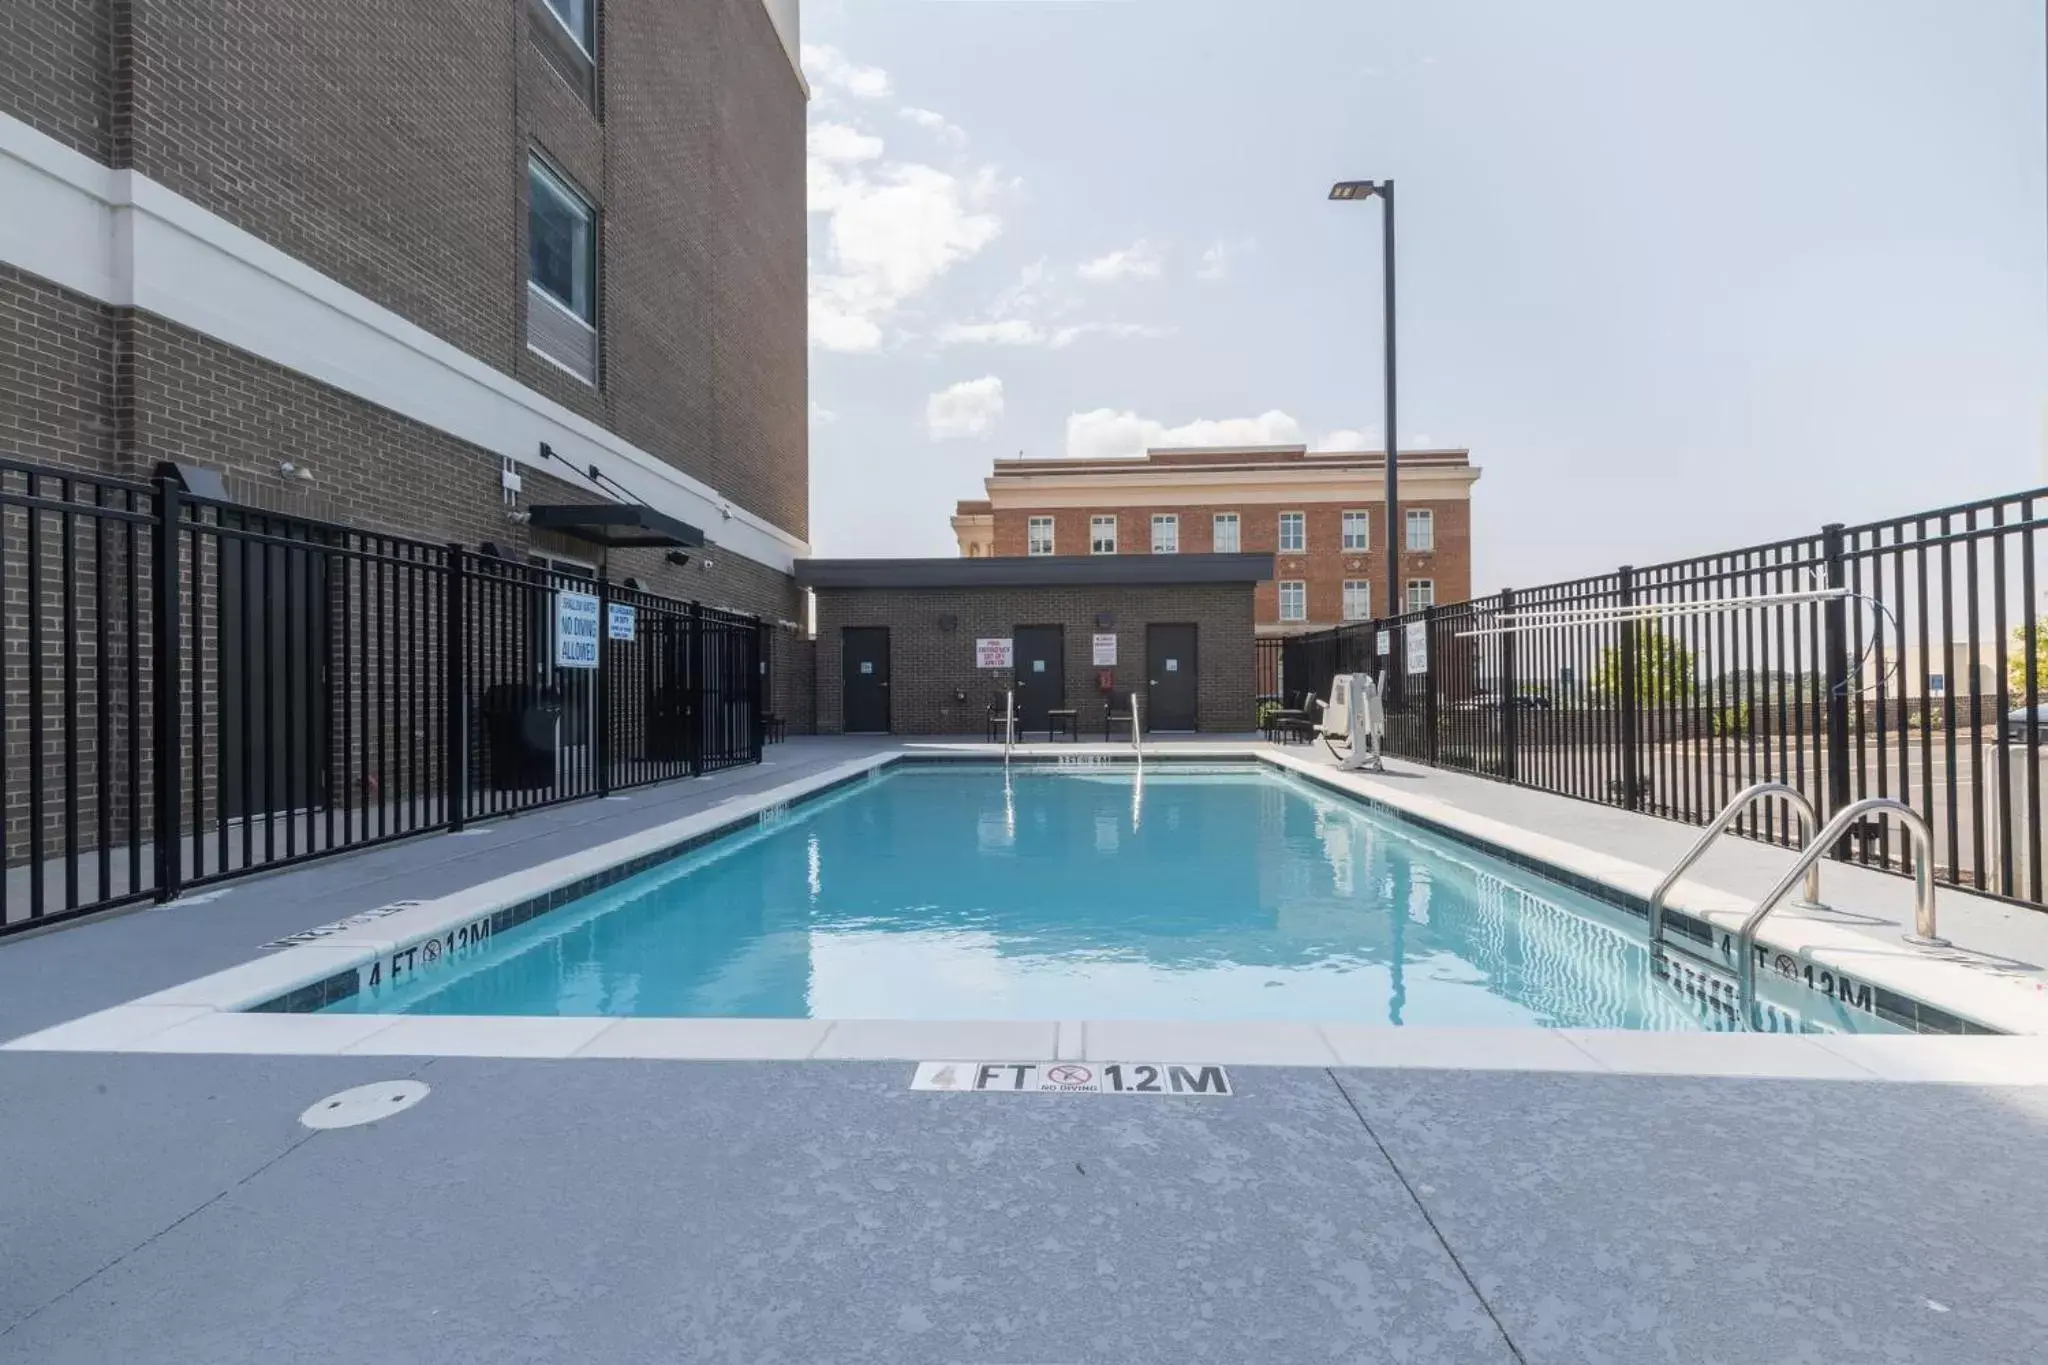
(511, 284)
(1322, 516)
(365, 264)
(898, 642)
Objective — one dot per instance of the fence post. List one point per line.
(164, 679)
(456, 684)
(1835, 646)
(1510, 693)
(1631, 769)
(1431, 748)
(601, 683)
(694, 703)
(759, 700)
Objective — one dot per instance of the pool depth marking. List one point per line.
(1075, 1078)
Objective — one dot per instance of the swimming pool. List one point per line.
(962, 891)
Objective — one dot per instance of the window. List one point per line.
(1166, 534)
(1421, 593)
(1293, 533)
(1357, 600)
(1102, 535)
(1293, 600)
(1039, 538)
(1421, 529)
(561, 247)
(561, 273)
(574, 17)
(1357, 531)
(1225, 541)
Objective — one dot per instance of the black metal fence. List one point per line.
(1924, 680)
(191, 690)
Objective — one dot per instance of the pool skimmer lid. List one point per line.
(364, 1104)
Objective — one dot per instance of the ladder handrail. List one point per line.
(1925, 931)
(1744, 799)
(1136, 743)
(1009, 723)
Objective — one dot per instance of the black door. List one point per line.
(272, 658)
(1170, 675)
(1041, 674)
(864, 665)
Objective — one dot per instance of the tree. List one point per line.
(1664, 668)
(2016, 662)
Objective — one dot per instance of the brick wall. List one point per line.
(1323, 568)
(388, 148)
(936, 689)
(54, 59)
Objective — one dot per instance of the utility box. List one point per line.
(522, 730)
(2004, 771)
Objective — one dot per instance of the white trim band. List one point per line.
(124, 239)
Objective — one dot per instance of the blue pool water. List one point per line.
(953, 892)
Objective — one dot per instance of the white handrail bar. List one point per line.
(1926, 933)
(1136, 742)
(1009, 724)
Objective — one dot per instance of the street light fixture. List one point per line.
(1346, 190)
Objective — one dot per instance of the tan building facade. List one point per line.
(1322, 516)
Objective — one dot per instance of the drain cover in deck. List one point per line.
(364, 1104)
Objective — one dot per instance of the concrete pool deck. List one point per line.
(171, 1207)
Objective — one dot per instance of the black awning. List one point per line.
(618, 525)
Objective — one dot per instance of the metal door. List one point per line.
(864, 665)
(1041, 674)
(1171, 677)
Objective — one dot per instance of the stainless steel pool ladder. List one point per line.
(1926, 933)
(1744, 799)
(1009, 724)
(1136, 742)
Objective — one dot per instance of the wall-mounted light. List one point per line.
(949, 622)
(295, 471)
(1104, 620)
(489, 551)
(678, 558)
(631, 584)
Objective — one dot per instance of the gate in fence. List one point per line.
(191, 690)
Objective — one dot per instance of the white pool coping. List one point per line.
(207, 1015)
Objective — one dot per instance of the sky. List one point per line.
(1682, 276)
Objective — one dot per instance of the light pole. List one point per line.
(1384, 190)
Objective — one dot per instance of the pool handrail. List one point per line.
(1009, 724)
(1925, 933)
(1744, 799)
(1136, 742)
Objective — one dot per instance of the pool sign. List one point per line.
(1418, 647)
(1074, 1078)
(992, 654)
(1384, 644)
(1105, 651)
(575, 630)
(622, 621)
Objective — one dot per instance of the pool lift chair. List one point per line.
(1356, 714)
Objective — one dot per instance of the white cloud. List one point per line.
(1106, 433)
(1067, 336)
(933, 122)
(1138, 261)
(830, 74)
(967, 409)
(837, 142)
(893, 227)
(1009, 332)
(1215, 263)
(1344, 439)
(1024, 332)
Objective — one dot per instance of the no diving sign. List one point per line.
(1074, 1078)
